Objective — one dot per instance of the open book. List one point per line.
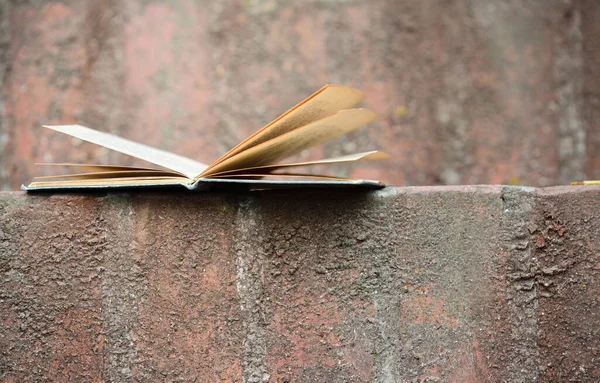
(253, 163)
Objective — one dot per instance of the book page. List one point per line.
(109, 174)
(93, 167)
(99, 172)
(297, 140)
(322, 103)
(371, 155)
(282, 176)
(171, 161)
(113, 182)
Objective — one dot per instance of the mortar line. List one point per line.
(117, 293)
(4, 67)
(572, 129)
(386, 300)
(250, 262)
(522, 294)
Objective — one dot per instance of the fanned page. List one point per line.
(120, 181)
(177, 163)
(95, 167)
(322, 103)
(295, 141)
(118, 173)
(108, 174)
(371, 155)
(286, 176)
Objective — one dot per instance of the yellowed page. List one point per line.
(94, 167)
(297, 140)
(322, 103)
(109, 174)
(371, 155)
(177, 163)
(113, 181)
(282, 176)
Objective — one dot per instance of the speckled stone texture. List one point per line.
(428, 284)
(469, 92)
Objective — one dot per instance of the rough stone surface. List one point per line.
(468, 91)
(423, 284)
(566, 277)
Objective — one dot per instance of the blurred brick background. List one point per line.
(479, 91)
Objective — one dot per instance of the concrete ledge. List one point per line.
(455, 284)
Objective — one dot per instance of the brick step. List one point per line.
(456, 284)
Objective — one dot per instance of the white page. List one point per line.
(171, 161)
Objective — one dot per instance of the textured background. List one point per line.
(457, 284)
(479, 91)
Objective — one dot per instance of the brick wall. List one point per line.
(454, 284)
(469, 92)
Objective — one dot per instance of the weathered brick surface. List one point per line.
(116, 288)
(566, 276)
(53, 252)
(468, 91)
(456, 284)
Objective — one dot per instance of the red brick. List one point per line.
(487, 92)
(52, 251)
(446, 283)
(569, 284)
